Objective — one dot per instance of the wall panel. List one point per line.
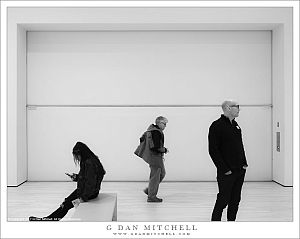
(94, 86)
(113, 134)
(148, 67)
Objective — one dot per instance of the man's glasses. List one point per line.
(236, 106)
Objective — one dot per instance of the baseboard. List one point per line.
(282, 184)
(15, 186)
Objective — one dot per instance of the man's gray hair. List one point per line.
(226, 103)
(161, 119)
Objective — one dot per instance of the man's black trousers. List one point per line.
(230, 187)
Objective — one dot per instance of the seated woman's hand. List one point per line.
(76, 202)
(73, 176)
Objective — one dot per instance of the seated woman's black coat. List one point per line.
(89, 178)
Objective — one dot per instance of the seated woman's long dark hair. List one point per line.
(82, 150)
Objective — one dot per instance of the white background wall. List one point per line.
(17, 99)
(101, 70)
(283, 169)
(178, 67)
(113, 134)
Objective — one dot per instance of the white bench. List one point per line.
(101, 209)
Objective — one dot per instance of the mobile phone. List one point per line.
(68, 174)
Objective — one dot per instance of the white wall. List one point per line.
(283, 122)
(155, 18)
(187, 68)
(16, 123)
(21, 98)
(113, 134)
(155, 67)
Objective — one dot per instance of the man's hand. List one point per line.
(228, 173)
(245, 166)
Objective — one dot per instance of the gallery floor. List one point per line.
(183, 201)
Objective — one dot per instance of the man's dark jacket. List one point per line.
(226, 146)
(151, 147)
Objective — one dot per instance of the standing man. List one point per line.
(152, 150)
(227, 152)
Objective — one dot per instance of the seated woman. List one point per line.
(88, 180)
